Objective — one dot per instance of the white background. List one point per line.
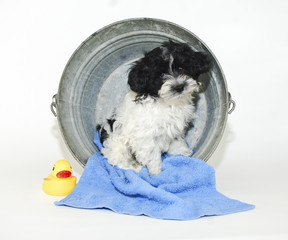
(250, 40)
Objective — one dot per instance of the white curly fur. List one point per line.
(145, 129)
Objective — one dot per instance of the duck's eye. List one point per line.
(53, 168)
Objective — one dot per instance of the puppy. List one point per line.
(157, 110)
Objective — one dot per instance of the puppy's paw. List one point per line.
(154, 171)
(186, 152)
(179, 146)
(154, 168)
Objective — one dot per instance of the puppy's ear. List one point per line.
(201, 64)
(138, 77)
(145, 75)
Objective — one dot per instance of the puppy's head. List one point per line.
(169, 71)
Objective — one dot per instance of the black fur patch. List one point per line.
(146, 75)
(102, 132)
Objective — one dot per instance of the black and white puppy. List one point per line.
(158, 108)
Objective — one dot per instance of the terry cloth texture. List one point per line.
(184, 190)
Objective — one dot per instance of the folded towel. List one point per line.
(184, 190)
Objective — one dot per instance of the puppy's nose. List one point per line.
(179, 88)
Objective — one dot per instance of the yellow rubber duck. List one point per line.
(60, 181)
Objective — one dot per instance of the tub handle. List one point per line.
(53, 106)
(232, 104)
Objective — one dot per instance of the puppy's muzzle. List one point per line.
(186, 83)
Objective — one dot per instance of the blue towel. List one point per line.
(184, 190)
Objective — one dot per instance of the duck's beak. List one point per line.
(64, 174)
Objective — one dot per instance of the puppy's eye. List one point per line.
(180, 69)
(162, 75)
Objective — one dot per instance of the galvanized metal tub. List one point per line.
(94, 81)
